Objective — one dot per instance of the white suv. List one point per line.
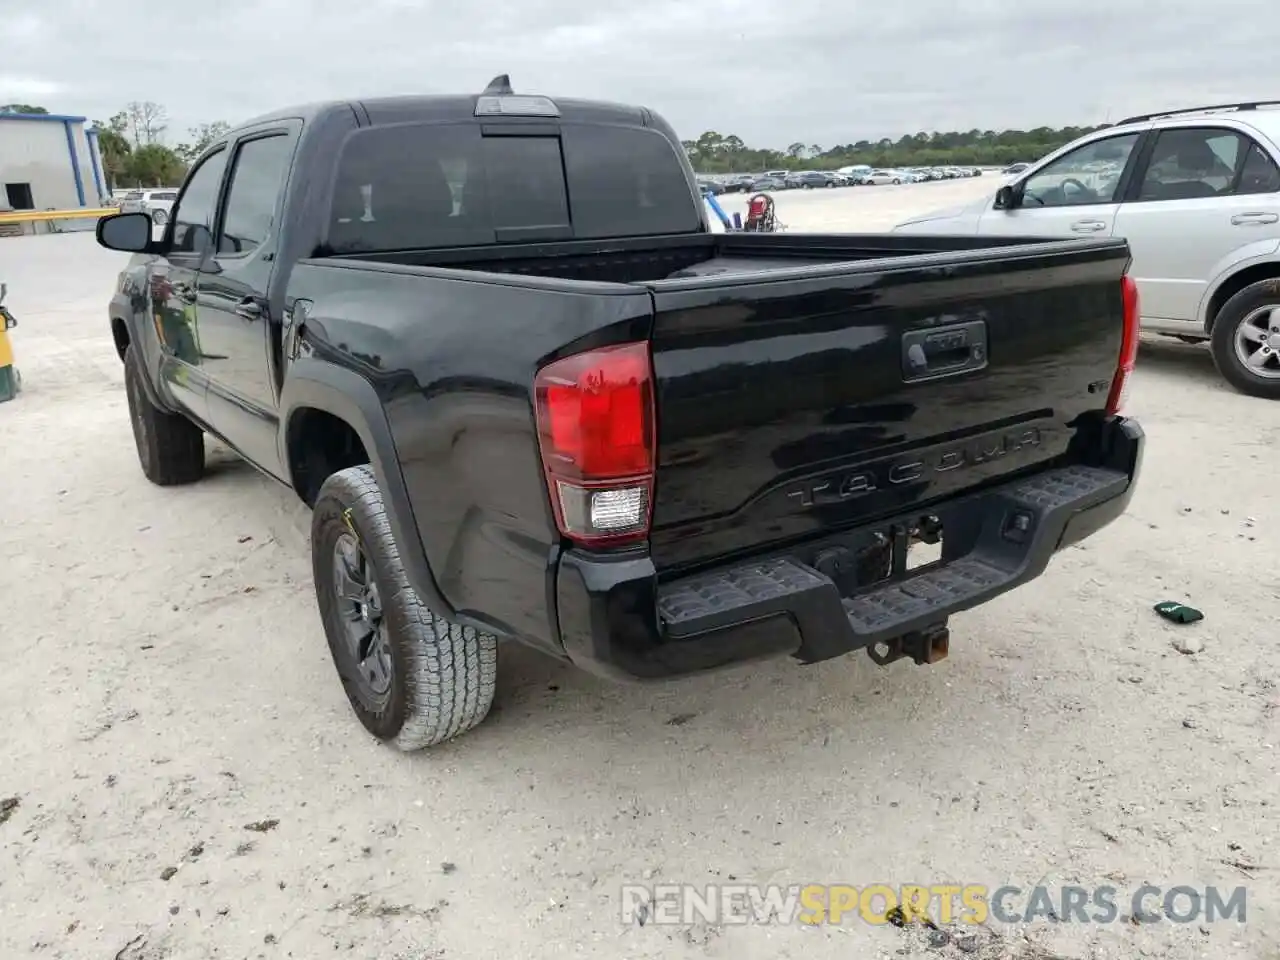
(1197, 195)
(154, 203)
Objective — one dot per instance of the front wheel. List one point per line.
(412, 678)
(159, 218)
(1246, 340)
(897, 183)
(170, 447)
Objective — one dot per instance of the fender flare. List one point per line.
(343, 393)
(147, 357)
(1255, 255)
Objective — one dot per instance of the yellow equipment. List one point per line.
(10, 379)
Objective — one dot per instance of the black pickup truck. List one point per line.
(491, 341)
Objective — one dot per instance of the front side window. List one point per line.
(256, 182)
(1085, 175)
(193, 216)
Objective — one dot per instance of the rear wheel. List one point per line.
(1246, 340)
(170, 447)
(159, 218)
(413, 678)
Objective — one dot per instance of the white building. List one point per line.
(49, 162)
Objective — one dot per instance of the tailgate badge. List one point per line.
(944, 351)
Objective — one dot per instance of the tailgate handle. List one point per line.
(944, 351)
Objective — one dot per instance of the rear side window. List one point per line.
(1194, 163)
(416, 186)
(1259, 174)
(256, 182)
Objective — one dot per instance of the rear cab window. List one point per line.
(428, 185)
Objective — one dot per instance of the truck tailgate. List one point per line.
(794, 402)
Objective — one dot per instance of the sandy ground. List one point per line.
(189, 782)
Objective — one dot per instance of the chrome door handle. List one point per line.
(1088, 226)
(1254, 219)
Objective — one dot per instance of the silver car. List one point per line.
(1197, 195)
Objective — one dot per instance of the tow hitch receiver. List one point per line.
(923, 646)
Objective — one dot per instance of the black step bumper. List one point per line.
(617, 621)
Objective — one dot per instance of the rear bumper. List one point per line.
(617, 621)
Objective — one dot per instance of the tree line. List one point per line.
(133, 144)
(134, 151)
(715, 153)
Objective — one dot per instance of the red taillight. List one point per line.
(596, 435)
(1128, 346)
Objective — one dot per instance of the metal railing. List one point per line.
(42, 216)
(13, 223)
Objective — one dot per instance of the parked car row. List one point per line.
(854, 176)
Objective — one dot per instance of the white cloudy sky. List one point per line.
(819, 71)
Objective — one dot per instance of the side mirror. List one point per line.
(1008, 198)
(126, 232)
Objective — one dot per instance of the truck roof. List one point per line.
(398, 109)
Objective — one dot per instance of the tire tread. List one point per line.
(1222, 339)
(175, 455)
(451, 669)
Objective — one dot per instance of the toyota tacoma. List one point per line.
(492, 342)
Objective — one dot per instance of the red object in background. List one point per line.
(755, 209)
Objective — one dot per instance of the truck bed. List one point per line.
(785, 404)
(651, 259)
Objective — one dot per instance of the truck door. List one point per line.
(174, 282)
(236, 325)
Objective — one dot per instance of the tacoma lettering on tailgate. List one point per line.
(890, 473)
